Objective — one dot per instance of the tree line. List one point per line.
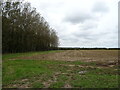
(74, 48)
(24, 29)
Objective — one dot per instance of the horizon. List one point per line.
(83, 47)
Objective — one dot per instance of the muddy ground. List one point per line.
(107, 56)
(105, 63)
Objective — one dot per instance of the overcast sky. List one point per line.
(81, 23)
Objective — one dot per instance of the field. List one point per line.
(61, 69)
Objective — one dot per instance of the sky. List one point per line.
(81, 23)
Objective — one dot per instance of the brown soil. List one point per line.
(78, 55)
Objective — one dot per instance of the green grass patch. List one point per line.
(95, 81)
(13, 55)
(35, 73)
(57, 84)
(37, 85)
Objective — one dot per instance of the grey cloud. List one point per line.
(89, 39)
(100, 7)
(90, 36)
(78, 37)
(69, 38)
(85, 36)
(75, 18)
(89, 25)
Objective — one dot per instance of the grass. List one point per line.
(13, 55)
(37, 85)
(55, 74)
(57, 84)
(99, 81)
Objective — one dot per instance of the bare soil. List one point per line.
(110, 56)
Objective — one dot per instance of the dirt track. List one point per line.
(78, 55)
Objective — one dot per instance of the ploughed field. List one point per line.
(61, 69)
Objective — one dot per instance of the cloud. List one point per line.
(77, 17)
(100, 7)
(84, 36)
(89, 25)
(81, 23)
